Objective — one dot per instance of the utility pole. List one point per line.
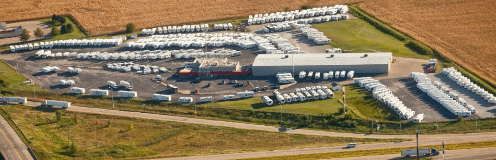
(476, 126)
(344, 101)
(416, 133)
(34, 93)
(112, 97)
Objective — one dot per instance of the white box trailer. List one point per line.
(185, 99)
(247, 94)
(20, 100)
(205, 99)
(127, 94)
(51, 103)
(162, 97)
(99, 92)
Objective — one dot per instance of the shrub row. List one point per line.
(419, 47)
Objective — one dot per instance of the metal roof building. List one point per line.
(271, 64)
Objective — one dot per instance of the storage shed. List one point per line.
(271, 64)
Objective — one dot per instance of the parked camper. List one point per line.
(128, 94)
(50, 103)
(98, 92)
(20, 100)
(205, 99)
(267, 100)
(185, 99)
(162, 97)
(77, 90)
(336, 74)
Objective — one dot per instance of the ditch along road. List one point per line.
(423, 139)
(11, 145)
(459, 154)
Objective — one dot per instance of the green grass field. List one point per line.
(356, 35)
(88, 136)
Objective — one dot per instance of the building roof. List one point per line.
(320, 59)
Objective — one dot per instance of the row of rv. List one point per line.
(246, 94)
(115, 41)
(291, 15)
(198, 40)
(140, 69)
(301, 94)
(176, 29)
(463, 81)
(455, 106)
(283, 45)
(48, 69)
(127, 55)
(327, 75)
(383, 94)
(24, 100)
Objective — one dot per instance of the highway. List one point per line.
(11, 145)
(460, 154)
(423, 139)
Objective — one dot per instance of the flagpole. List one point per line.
(443, 149)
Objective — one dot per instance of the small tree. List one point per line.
(24, 35)
(69, 28)
(63, 29)
(459, 118)
(306, 6)
(39, 33)
(130, 126)
(62, 20)
(130, 27)
(55, 31)
(286, 9)
(55, 18)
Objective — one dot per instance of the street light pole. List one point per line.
(112, 98)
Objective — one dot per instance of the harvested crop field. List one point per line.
(463, 31)
(460, 30)
(114, 14)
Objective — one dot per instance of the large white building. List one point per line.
(271, 64)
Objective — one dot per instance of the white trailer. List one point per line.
(342, 74)
(99, 92)
(267, 100)
(228, 97)
(205, 99)
(77, 90)
(51, 103)
(317, 75)
(128, 94)
(20, 100)
(185, 99)
(336, 75)
(162, 97)
(419, 118)
(302, 74)
(126, 85)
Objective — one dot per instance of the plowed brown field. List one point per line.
(463, 30)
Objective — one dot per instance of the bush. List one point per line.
(459, 118)
(39, 33)
(306, 6)
(69, 28)
(419, 47)
(63, 29)
(24, 35)
(130, 27)
(55, 31)
(62, 20)
(286, 9)
(58, 115)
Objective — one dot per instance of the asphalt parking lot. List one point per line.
(482, 107)
(406, 90)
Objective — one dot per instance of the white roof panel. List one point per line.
(320, 59)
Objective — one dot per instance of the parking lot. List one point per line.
(483, 108)
(406, 90)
